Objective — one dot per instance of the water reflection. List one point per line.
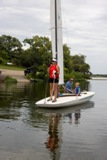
(73, 113)
(70, 109)
(35, 129)
(52, 141)
(55, 131)
(70, 118)
(76, 117)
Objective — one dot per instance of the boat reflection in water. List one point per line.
(64, 110)
(55, 130)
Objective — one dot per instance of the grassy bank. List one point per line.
(11, 67)
(10, 80)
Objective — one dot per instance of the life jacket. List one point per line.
(77, 90)
(52, 69)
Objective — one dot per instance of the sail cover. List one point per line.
(56, 35)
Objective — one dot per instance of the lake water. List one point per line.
(72, 133)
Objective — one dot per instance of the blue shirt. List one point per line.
(77, 90)
(69, 86)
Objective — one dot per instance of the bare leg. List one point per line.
(55, 90)
(51, 90)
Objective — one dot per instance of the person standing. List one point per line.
(68, 87)
(54, 72)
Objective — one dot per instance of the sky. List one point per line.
(84, 24)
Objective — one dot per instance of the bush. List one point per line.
(2, 61)
(78, 76)
(10, 80)
(75, 75)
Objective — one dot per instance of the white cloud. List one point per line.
(84, 25)
(87, 31)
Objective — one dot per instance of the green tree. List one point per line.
(67, 59)
(79, 65)
(4, 57)
(85, 68)
(77, 62)
(11, 46)
(38, 55)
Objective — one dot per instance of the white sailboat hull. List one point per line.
(65, 101)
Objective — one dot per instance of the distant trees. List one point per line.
(10, 48)
(75, 63)
(38, 54)
(79, 65)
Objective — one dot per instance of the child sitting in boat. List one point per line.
(77, 89)
(59, 93)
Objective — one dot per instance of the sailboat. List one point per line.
(57, 51)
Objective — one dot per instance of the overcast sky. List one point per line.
(84, 25)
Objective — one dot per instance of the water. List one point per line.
(72, 133)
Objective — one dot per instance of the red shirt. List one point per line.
(52, 69)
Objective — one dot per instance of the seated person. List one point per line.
(68, 87)
(59, 93)
(77, 89)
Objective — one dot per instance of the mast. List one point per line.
(56, 48)
(56, 35)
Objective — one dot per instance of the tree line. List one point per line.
(38, 54)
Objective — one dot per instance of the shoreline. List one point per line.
(99, 78)
(18, 75)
